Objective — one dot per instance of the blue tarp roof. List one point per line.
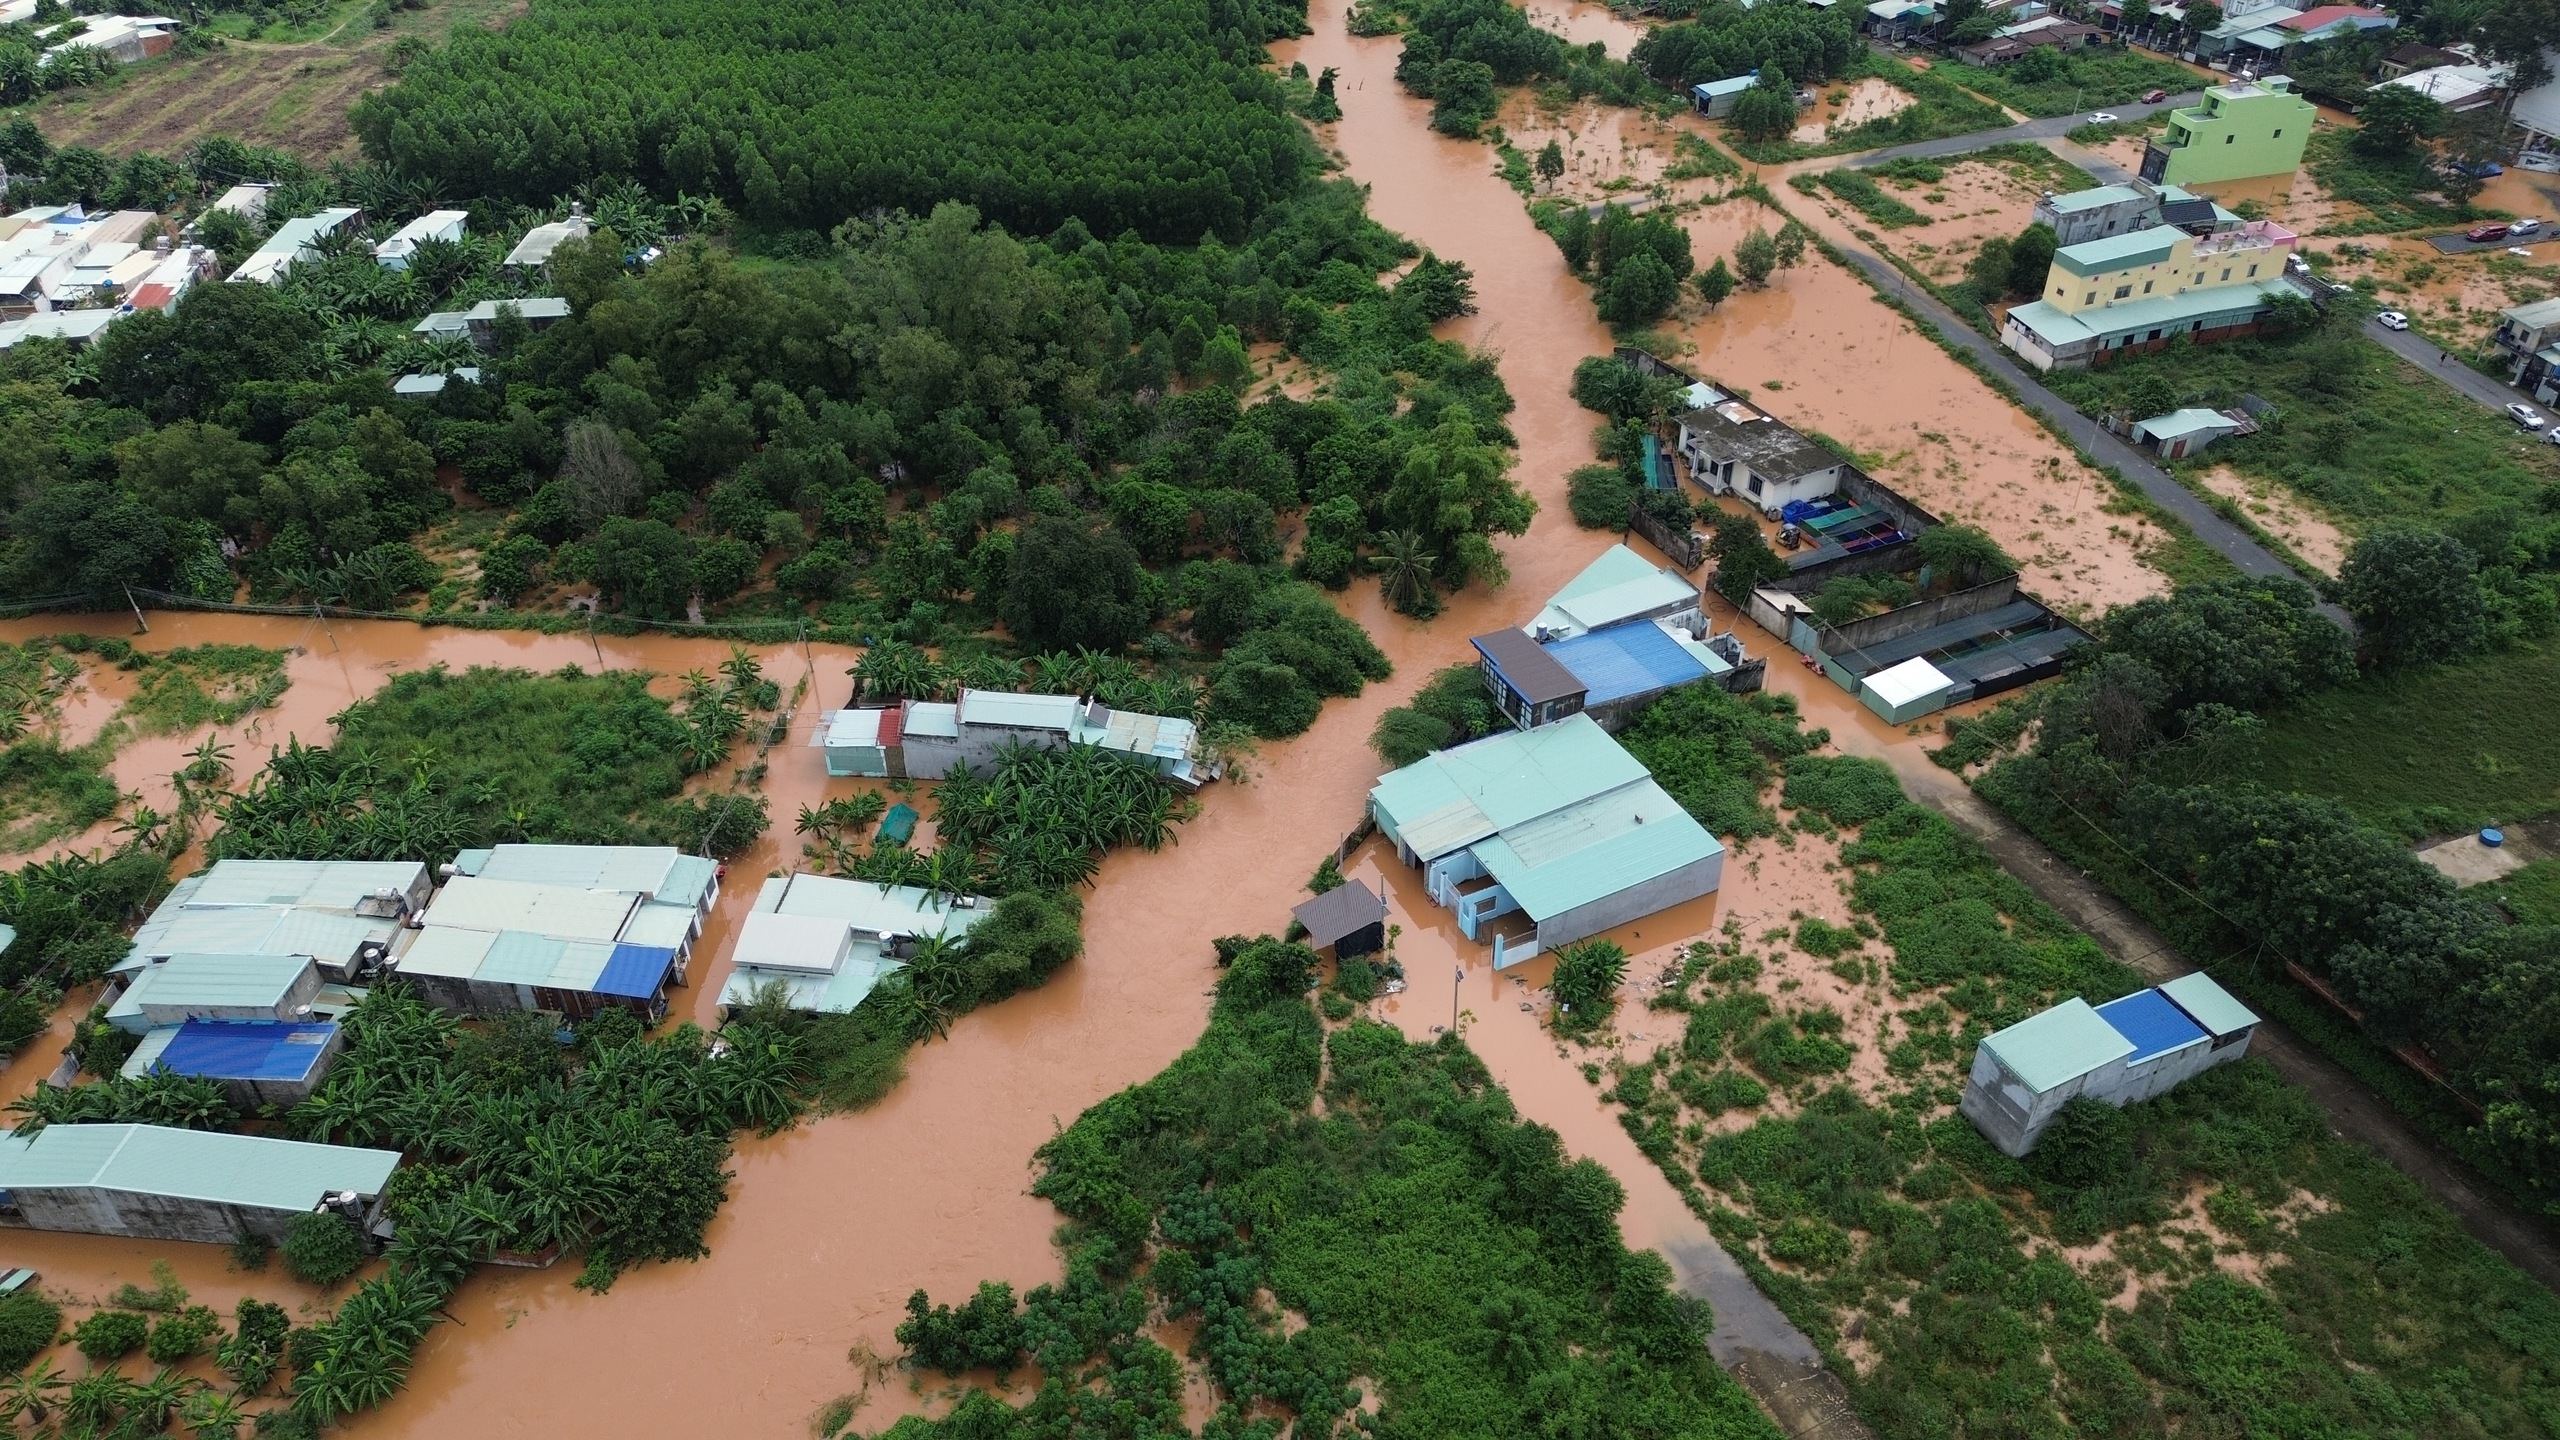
(636, 972)
(1624, 660)
(2151, 1023)
(247, 1050)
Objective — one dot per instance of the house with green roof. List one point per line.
(1558, 826)
(2141, 290)
(2128, 1049)
(160, 1183)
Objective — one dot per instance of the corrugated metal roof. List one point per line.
(2155, 1026)
(1625, 660)
(1459, 796)
(1911, 680)
(1342, 910)
(2056, 1046)
(653, 924)
(640, 869)
(448, 950)
(518, 958)
(874, 909)
(836, 993)
(2209, 1005)
(1020, 712)
(932, 720)
(2119, 252)
(846, 728)
(635, 972)
(688, 882)
(469, 862)
(1657, 594)
(564, 912)
(1595, 849)
(2078, 200)
(202, 1165)
(802, 943)
(1527, 668)
(321, 884)
(237, 1050)
(263, 980)
(1616, 566)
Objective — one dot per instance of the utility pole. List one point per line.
(140, 625)
(1453, 998)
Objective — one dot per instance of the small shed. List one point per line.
(1531, 686)
(2129, 1049)
(898, 826)
(1350, 918)
(1907, 691)
(156, 1182)
(216, 987)
(2181, 433)
(1715, 98)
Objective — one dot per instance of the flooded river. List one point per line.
(830, 1226)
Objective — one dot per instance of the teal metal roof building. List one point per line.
(2131, 1048)
(565, 928)
(1558, 825)
(828, 941)
(155, 1182)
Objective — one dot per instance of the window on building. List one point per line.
(2226, 272)
(2279, 133)
(2228, 139)
(2155, 334)
(2146, 287)
(2123, 290)
(2089, 299)
(2253, 270)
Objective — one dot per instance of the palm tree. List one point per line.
(153, 1401)
(1404, 573)
(31, 1392)
(209, 1415)
(743, 671)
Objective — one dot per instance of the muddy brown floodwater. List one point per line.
(830, 1225)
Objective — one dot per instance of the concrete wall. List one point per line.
(1919, 615)
(1698, 877)
(2013, 1118)
(86, 1211)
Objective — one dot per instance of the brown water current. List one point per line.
(830, 1225)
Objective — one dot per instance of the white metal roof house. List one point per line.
(1559, 824)
(293, 242)
(924, 740)
(2185, 432)
(394, 252)
(338, 913)
(563, 928)
(829, 941)
(2126, 1050)
(155, 1182)
(536, 247)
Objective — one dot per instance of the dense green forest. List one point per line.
(1145, 115)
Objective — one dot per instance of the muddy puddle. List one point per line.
(831, 1225)
(1581, 23)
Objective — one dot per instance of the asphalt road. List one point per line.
(2456, 244)
(2052, 129)
(2489, 394)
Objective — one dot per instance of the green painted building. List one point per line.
(2240, 132)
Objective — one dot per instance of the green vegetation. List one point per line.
(1587, 977)
(1862, 194)
(1038, 819)
(1945, 108)
(1457, 51)
(2387, 185)
(1714, 753)
(197, 685)
(29, 1324)
(47, 792)
(434, 762)
(2050, 81)
(1464, 1277)
(1635, 262)
(924, 104)
(110, 1335)
(2447, 748)
(322, 1248)
(2312, 1290)
(2531, 895)
(1452, 708)
(2358, 430)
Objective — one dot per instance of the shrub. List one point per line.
(1586, 981)
(322, 1248)
(1599, 496)
(179, 1336)
(110, 1335)
(28, 1324)
(985, 1331)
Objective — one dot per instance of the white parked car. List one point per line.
(2554, 436)
(2102, 118)
(2524, 227)
(2526, 416)
(2393, 320)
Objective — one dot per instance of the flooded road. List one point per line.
(831, 1225)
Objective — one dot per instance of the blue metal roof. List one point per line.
(247, 1049)
(2151, 1023)
(636, 972)
(1624, 660)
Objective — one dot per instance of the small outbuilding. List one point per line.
(1907, 691)
(1715, 98)
(2181, 433)
(829, 941)
(1349, 919)
(159, 1183)
(2131, 1048)
(257, 1062)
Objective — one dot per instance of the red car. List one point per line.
(2154, 97)
(2483, 234)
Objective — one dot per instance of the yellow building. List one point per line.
(2142, 289)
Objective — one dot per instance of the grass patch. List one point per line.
(2446, 748)
(47, 792)
(1863, 195)
(2358, 430)
(2088, 80)
(2532, 894)
(1945, 108)
(1692, 158)
(2389, 188)
(203, 685)
(1446, 1258)
(2032, 163)
(1714, 753)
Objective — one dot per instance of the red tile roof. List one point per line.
(892, 725)
(154, 297)
(2323, 16)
